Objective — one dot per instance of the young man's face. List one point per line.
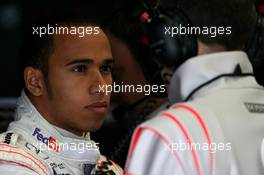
(77, 67)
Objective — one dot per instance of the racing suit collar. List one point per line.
(35, 129)
(198, 70)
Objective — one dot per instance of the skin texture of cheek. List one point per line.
(69, 110)
(68, 103)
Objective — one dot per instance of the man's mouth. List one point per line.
(98, 107)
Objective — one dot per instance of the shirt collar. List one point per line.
(28, 120)
(201, 69)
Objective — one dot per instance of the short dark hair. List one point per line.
(240, 15)
(36, 50)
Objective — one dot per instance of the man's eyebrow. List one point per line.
(108, 61)
(80, 61)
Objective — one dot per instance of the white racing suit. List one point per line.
(32, 146)
(217, 129)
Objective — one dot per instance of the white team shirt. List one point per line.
(219, 130)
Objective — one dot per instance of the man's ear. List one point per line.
(34, 81)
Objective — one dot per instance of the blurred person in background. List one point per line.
(133, 66)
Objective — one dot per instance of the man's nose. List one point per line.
(98, 84)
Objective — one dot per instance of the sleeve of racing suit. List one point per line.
(14, 169)
(151, 155)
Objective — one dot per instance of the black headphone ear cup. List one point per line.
(188, 42)
(170, 50)
(165, 48)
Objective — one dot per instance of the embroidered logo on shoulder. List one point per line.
(8, 137)
(49, 141)
(254, 107)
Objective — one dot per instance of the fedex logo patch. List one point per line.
(49, 141)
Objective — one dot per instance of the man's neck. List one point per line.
(209, 48)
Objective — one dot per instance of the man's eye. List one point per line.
(80, 69)
(106, 68)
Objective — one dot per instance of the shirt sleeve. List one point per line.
(150, 155)
(7, 168)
